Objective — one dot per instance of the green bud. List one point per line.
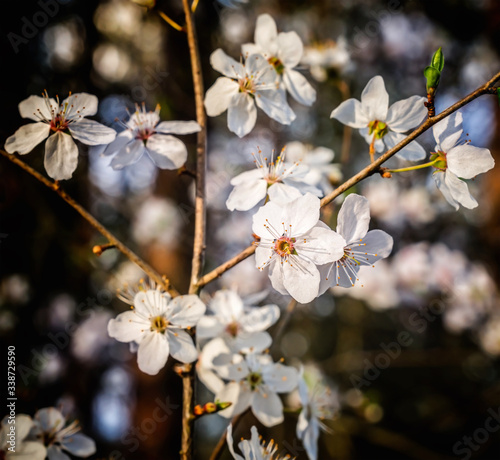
(438, 60)
(432, 75)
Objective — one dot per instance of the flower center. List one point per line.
(254, 379)
(378, 128)
(59, 123)
(440, 159)
(233, 328)
(284, 246)
(247, 85)
(348, 255)
(279, 67)
(159, 324)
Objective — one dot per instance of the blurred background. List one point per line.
(439, 285)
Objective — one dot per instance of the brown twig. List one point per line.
(56, 187)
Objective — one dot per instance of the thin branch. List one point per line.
(487, 88)
(56, 187)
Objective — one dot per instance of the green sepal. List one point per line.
(438, 60)
(432, 75)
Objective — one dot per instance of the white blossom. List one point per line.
(144, 133)
(61, 123)
(323, 56)
(157, 324)
(383, 126)
(489, 336)
(255, 382)
(457, 161)
(14, 444)
(280, 181)
(283, 51)
(243, 87)
(362, 247)
(292, 243)
(51, 429)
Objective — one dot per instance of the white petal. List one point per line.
(186, 311)
(91, 132)
(280, 378)
(209, 327)
(375, 99)
(269, 215)
(260, 318)
(310, 439)
(151, 303)
(262, 256)
(120, 142)
(61, 156)
(80, 105)
(267, 407)
(282, 194)
(301, 279)
(167, 152)
(406, 114)
(354, 217)
(265, 31)
(351, 113)
(254, 342)
(152, 354)
(219, 95)
(22, 424)
(27, 137)
(38, 108)
(227, 304)
(301, 215)
(236, 393)
(412, 152)
(29, 450)
(49, 418)
(299, 88)
(177, 127)
(321, 245)
(376, 245)
(226, 65)
(241, 114)
(454, 190)
(181, 346)
(55, 453)
(448, 131)
(247, 176)
(467, 161)
(277, 277)
(128, 327)
(79, 445)
(229, 441)
(247, 49)
(247, 195)
(290, 49)
(274, 104)
(128, 155)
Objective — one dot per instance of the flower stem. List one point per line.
(56, 187)
(171, 22)
(414, 168)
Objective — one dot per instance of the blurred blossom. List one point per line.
(411, 268)
(489, 336)
(14, 289)
(128, 273)
(61, 310)
(118, 18)
(112, 63)
(235, 27)
(244, 278)
(91, 337)
(64, 44)
(157, 220)
(232, 3)
(322, 57)
(53, 369)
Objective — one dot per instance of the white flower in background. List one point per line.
(323, 56)
(157, 324)
(255, 382)
(292, 243)
(242, 327)
(243, 87)
(318, 403)
(13, 444)
(380, 124)
(489, 336)
(157, 220)
(283, 51)
(144, 133)
(319, 160)
(255, 449)
(49, 427)
(362, 247)
(281, 181)
(61, 123)
(457, 161)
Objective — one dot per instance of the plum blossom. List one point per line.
(324, 56)
(62, 123)
(242, 327)
(144, 133)
(318, 403)
(489, 336)
(283, 52)
(292, 243)
(243, 87)
(455, 161)
(255, 449)
(51, 429)
(281, 181)
(382, 126)
(21, 449)
(362, 247)
(156, 324)
(255, 382)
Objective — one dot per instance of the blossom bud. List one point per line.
(433, 72)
